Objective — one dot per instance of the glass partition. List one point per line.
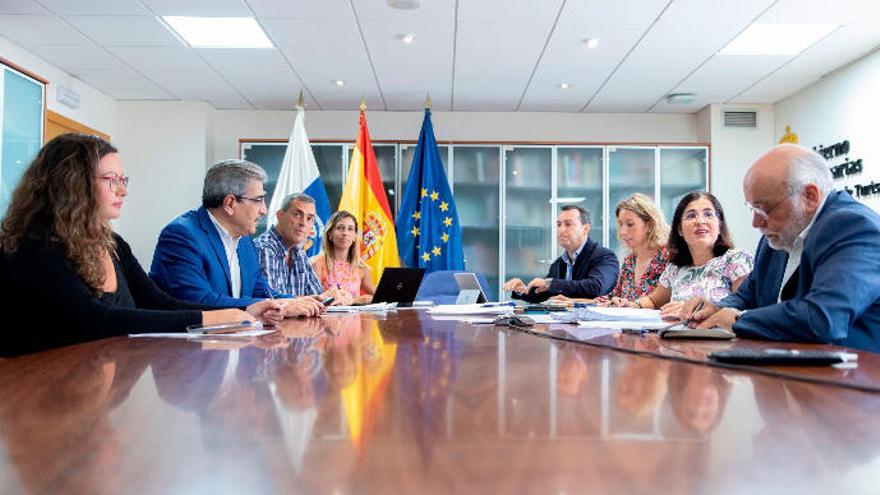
(630, 171)
(475, 182)
(528, 220)
(579, 182)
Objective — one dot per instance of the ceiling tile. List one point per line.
(214, 8)
(302, 9)
(599, 12)
(96, 7)
(495, 60)
(125, 30)
(39, 30)
(21, 7)
(156, 58)
(509, 11)
(568, 60)
(823, 12)
(728, 75)
(777, 87)
(442, 11)
(122, 84)
(74, 57)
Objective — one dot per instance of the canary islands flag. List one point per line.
(427, 223)
(364, 197)
(299, 174)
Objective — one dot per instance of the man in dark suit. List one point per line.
(585, 268)
(206, 255)
(815, 276)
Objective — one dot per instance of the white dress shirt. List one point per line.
(797, 248)
(230, 244)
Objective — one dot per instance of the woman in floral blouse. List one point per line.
(702, 259)
(642, 229)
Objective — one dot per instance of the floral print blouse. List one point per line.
(627, 287)
(712, 281)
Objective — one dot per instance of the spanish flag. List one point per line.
(364, 197)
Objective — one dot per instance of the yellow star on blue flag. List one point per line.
(427, 207)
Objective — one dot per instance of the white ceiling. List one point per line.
(490, 55)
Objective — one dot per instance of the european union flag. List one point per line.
(428, 231)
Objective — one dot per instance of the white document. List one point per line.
(581, 333)
(183, 335)
(628, 314)
(366, 308)
(471, 309)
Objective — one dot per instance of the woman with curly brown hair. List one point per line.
(67, 277)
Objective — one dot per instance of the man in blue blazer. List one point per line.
(815, 277)
(206, 255)
(585, 268)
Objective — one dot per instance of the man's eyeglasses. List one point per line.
(114, 181)
(258, 199)
(692, 215)
(764, 212)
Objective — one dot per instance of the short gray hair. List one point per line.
(582, 212)
(229, 177)
(809, 167)
(299, 197)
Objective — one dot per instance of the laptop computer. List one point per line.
(399, 285)
(469, 281)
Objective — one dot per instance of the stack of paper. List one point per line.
(366, 308)
(472, 309)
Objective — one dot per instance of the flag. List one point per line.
(364, 197)
(430, 234)
(299, 173)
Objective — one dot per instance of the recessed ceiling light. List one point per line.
(776, 39)
(407, 38)
(591, 43)
(564, 85)
(339, 82)
(219, 32)
(404, 4)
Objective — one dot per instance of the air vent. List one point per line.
(741, 120)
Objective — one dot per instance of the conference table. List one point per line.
(401, 402)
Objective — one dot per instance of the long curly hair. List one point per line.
(56, 202)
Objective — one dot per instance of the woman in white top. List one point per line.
(702, 259)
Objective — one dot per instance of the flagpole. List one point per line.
(301, 102)
(428, 103)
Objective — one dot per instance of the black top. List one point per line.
(594, 274)
(47, 304)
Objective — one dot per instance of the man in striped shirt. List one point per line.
(282, 257)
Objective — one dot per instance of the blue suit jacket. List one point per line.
(837, 298)
(190, 264)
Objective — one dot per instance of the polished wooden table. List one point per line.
(401, 403)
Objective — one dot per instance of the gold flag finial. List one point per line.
(363, 103)
(301, 102)
(428, 103)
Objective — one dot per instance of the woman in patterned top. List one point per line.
(642, 229)
(338, 265)
(702, 259)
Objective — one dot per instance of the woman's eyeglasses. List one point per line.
(692, 215)
(114, 181)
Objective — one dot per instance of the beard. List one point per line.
(786, 237)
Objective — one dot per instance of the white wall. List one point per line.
(165, 148)
(96, 110)
(843, 105)
(232, 125)
(733, 152)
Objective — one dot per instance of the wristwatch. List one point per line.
(739, 315)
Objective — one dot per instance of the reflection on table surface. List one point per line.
(401, 403)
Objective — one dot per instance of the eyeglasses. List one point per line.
(692, 215)
(258, 199)
(114, 181)
(764, 213)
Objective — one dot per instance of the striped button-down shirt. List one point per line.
(287, 269)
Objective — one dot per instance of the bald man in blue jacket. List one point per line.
(816, 268)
